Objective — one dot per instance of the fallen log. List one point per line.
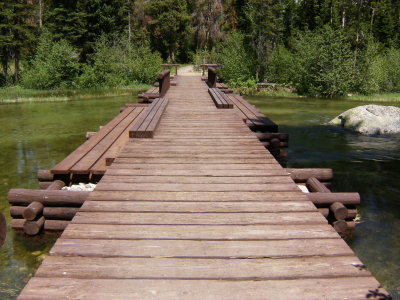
(60, 213)
(45, 175)
(314, 185)
(327, 199)
(17, 211)
(301, 175)
(56, 185)
(33, 211)
(17, 224)
(33, 227)
(43, 185)
(3, 229)
(55, 225)
(339, 210)
(47, 197)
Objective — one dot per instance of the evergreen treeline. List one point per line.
(322, 47)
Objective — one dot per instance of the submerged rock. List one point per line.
(370, 119)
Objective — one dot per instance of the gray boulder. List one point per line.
(370, 119)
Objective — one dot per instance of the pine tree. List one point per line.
(16, 34)
(206, 20)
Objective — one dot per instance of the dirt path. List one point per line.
(188, 71)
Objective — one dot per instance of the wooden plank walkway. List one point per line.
(200, 211)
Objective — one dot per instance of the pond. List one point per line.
(37, 136)
(369, 165)
(32, 137)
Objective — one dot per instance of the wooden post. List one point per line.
(43, 185)
(3, 229)
(314, 185)
(326, 199)
(55, 225)
(47, 197)
(45, 175)
(17, 224)
(339, 210)
(17, 211)
(33, 227)
(60, 213)
(32, 211)
(301, 175)
(56, 185)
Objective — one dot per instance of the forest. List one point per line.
(322, 48)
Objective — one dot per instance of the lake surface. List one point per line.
(32, 137)
(37, 136)
(369, 165)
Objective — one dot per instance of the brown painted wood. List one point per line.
(201, 249)
(302, 175)
(47, 197)
(3, 229)
(338, 210)
(45, 175)
(33, 227)
(203, 199)
(33, 211)
(326, 199)
(198, 218)
(314, 185)
(59, 213)
(212, 269)
(56, 185)
(55, 225)
(67, 163)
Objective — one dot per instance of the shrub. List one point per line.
(237, 61)
(116, 64)
(55, 65)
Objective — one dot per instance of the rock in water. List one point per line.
(370, 119)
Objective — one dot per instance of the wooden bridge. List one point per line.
(199, 211)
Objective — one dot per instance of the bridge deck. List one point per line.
(201, 211)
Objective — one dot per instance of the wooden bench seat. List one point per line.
(224, 88)
(90, 157)
(149, 120)
(254, 118)
(219, 98)
(150, 94)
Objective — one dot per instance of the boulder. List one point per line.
(370, 119)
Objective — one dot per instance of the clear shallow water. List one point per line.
(32, 137)
(369, 165)
(37, 136)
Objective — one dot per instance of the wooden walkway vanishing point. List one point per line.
(200, 211)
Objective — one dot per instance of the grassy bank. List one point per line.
(384, 97)
(18, 94)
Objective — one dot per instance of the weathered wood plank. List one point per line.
(106, 289)
(199, 218)
(196, 196)
(200, 232)
(210, 207)
(212, 269)
(201, 249)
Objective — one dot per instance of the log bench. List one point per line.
(91, 157)
(149, 120)
(254, 118)
(219, 98)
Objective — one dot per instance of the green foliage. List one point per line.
(248, 87)
(119, 64)
(320, 65)
(237, 61)
(55, 65)
(280, 67)
(168, 25)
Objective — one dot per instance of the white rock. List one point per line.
(370, 119)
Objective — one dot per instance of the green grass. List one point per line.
(18, 94)
(384, 97)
